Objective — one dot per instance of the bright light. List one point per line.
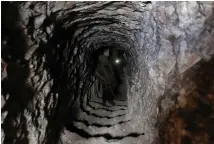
(117, 61)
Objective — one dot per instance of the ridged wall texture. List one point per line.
(49, 91)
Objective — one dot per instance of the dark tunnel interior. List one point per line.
(107, 72)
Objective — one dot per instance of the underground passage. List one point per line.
(107, 72)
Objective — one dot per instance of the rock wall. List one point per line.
(49, 91)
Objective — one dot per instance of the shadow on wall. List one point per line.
(192, 119)
(17, 94)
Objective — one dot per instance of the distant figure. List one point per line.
(106, 75)
(118, 63)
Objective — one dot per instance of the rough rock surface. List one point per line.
(49, 91)
(191, 120)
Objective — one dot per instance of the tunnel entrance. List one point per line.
(111, 68)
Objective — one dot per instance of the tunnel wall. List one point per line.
(164, 39)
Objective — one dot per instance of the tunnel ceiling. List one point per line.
(51, 53)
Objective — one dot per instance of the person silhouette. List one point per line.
(105, 73)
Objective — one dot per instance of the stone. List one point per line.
(60, 102)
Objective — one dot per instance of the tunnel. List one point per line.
(107, 72)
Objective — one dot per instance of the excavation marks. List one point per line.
(99, 120)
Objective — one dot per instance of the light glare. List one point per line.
(117, 61)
